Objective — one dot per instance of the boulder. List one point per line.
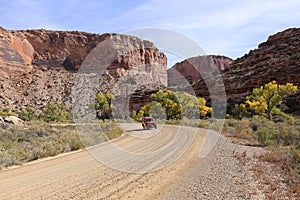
(14, 120)
(1, 120)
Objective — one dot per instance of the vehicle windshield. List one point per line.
(148, 120)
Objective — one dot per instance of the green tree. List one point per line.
(266, 99)
(170, 102)
(140, 114)
(54, 113)
(103, 104)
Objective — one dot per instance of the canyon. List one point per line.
(38, 67)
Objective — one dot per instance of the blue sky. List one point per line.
(228, 27)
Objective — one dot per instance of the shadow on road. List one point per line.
(135, 130)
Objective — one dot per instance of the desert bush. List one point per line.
(99, 132)
(39, 139)
(288, 160)
(172, 122)
(240, 128)
(28, 114)
(113, 132)
(6, 112)
(268, 133)
(54, 113)
(264, 136)
(203, 123)
(36, 140)
(293, 166)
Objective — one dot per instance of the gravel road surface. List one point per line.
(150, 164)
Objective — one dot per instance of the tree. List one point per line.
(266, 99)
(193, 107)
(175, 105)
(170, 102)
(204, 110)
(103, 104)
(133, 114)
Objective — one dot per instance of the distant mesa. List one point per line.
(195, 68)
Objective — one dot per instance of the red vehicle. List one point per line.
(148, 122)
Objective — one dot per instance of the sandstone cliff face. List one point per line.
(194, 68)
(60, 48)
(40, 66)
(16, 54)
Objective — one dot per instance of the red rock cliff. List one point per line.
(39, 66)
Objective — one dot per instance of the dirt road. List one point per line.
(164, 154)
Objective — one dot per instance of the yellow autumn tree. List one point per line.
(103, 104)
(266, 99)
(175, 105)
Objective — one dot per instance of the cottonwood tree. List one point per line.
(266, 99)
(175, 105)
(103, 104)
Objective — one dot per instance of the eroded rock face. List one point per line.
(38, 67)
(276, 59)
(16, 54)
(194, 68)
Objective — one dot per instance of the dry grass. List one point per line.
(278, 170)
(39, 139)
(273, 170)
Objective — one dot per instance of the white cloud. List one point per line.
(230, 27)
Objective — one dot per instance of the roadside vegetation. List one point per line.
(259, 121)
(49, 133)
(174, 106)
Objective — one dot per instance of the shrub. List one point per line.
(264, 136)
(37, 140)
(293, 163)
(28, 114)
(6, 112)
(113, 132)
(54, 113)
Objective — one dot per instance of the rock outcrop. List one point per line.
(194, 68)
(14, 120)
(276, 59)
(16, 54)
(40, 66)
